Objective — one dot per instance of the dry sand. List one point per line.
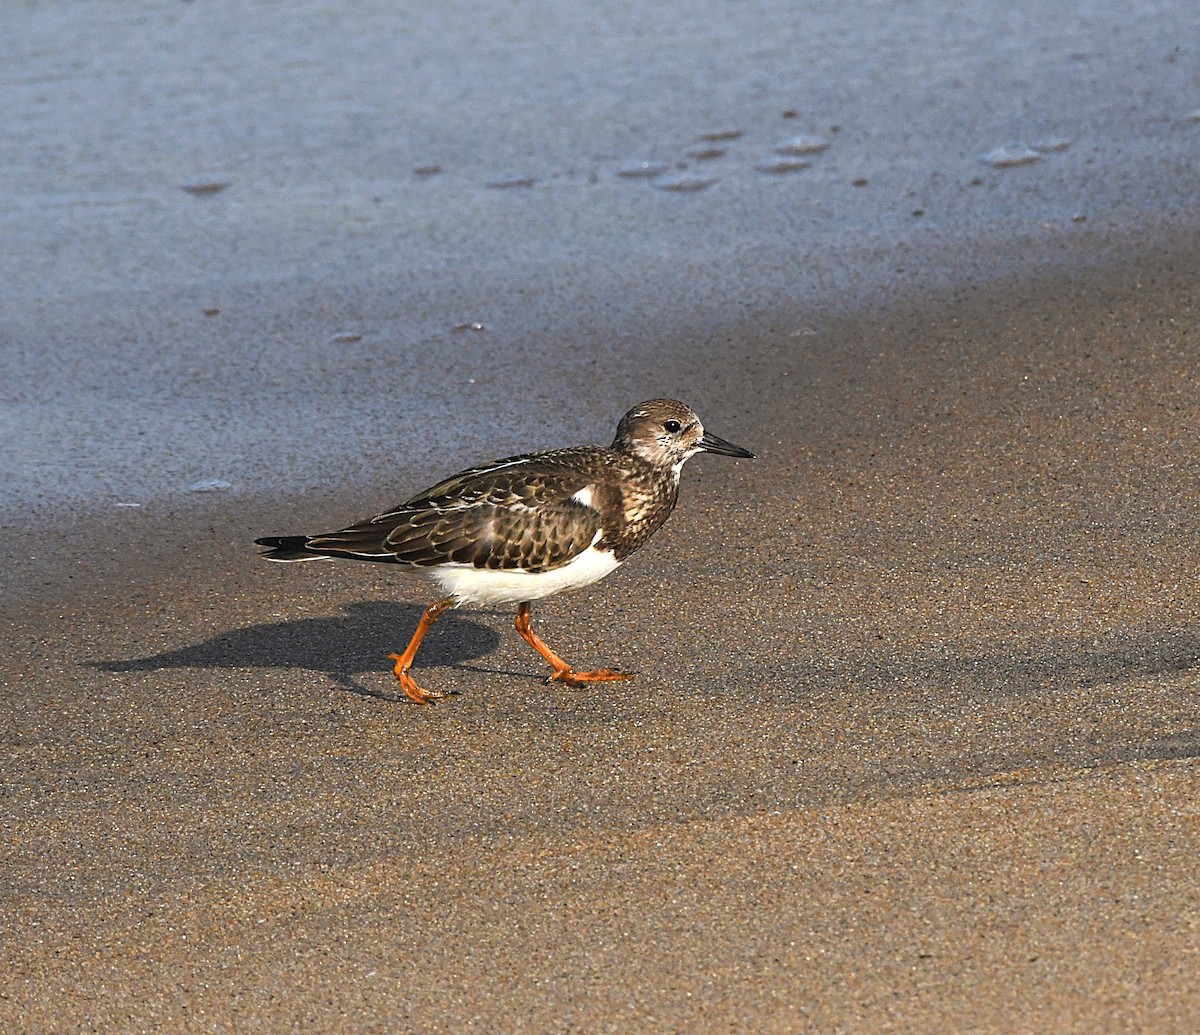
(913, 743)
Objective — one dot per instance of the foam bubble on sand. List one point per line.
(685, 183)
(804, 144)
(782, 164)
(1013, 154)
(507, 182)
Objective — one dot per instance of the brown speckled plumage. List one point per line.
(517, 513)
(531, 525)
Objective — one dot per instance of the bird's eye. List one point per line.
(672, 426)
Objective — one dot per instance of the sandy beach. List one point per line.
(913, 740)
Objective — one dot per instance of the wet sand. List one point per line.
(913, 739)
(912, 742)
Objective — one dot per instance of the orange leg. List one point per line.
(404, 661)
(562, 670)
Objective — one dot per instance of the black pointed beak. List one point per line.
(710, 443)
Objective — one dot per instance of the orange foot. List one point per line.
(573, 678)
(414, 690)
(562, 671)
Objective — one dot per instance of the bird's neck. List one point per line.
(648, 496)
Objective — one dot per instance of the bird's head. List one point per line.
(665, 433)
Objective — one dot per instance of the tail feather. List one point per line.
(358, 544)
(287, 548)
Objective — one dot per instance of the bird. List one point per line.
(522, 528)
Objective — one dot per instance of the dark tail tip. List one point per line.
(285, 548)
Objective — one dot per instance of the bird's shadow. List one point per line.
(340, 646)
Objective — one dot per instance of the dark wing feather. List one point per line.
(512, 513)
(512, 479)
(499, 537)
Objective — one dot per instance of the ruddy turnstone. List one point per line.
(515, 530)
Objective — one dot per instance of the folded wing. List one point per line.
(509, 515)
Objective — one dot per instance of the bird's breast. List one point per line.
(640, 508)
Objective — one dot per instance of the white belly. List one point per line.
(472, 585)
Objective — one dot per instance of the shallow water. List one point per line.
(243, 255)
